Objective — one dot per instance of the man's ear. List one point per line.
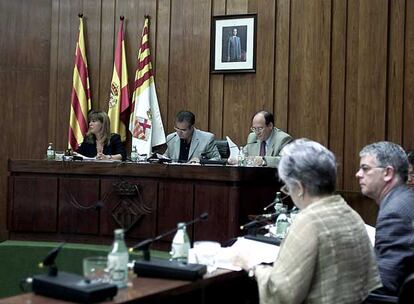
(389, 173)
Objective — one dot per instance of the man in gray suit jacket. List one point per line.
(382, 175)
(265, 142)
(189, 144)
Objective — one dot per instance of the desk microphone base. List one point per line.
(72, 287)
(158, 268)
(264, 239)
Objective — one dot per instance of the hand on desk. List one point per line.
(101, 156)
(194, 161)
(255, 161)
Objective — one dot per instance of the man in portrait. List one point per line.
(234, 47)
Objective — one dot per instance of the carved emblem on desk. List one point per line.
(130, 207)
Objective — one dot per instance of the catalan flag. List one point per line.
(119, 103)
(81, 95)
(145, 123)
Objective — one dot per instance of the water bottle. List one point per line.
(134, 154)
(241, 159)
(294, 213)
(50, 153)
(180, 244)
(282, 224)
(278, 203)
(118, 260)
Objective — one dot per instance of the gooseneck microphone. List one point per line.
(260, 219)
(250, 143)
(69, 286)
(171, 138)
(278, 199)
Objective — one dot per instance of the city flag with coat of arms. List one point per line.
(145, 121)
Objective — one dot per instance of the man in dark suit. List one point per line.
(234, 47)
(382, 175)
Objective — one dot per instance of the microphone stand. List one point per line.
(166, 268)
(145, 245)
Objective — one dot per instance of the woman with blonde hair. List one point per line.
(99, 142)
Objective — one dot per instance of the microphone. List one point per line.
(175, 134)
(165, 268)
(250, 143)
(69, 286)
(260, 219)
(277, 199)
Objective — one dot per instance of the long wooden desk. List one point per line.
(80, 201)
(219, 287)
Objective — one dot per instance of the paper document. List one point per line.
(257, 252)
(234, 150)
(371, 233)
(85, 158)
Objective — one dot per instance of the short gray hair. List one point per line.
(309, 163)
(388, 154)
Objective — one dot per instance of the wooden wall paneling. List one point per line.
(366, 81)
(239, 91)
(408, 114)
(309, 69)
(110, 24)
(395, 84)
(160, 52)
(76, 195)
(146, 223)
(337, 85)
(189, 60)
(8, 20)
(30, 92)
(92, 13)
(350, 162)
(54, 68)
(216, 118)
(265, 54)
(42, 192)
(281, 72)
(68, 35)
(235, 7)
(6, 79)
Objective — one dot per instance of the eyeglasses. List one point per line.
(366, 168)
(256, 129)
(285, 189)
(181, 130)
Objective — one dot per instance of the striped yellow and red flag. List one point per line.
(81, 95)
(119, 103)
(145, 123)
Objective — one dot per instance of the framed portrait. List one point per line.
(233, 44)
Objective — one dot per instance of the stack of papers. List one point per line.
(256, 252)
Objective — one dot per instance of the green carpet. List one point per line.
(20, 259)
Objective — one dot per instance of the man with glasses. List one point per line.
(188, 144)
(266, 141)
(382, 176)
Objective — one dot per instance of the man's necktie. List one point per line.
(263, 148)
